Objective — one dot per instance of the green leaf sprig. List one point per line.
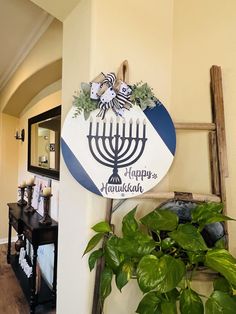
(143, 96)
(162, 254)
(83, 103)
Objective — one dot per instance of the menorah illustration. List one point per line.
(111, 147)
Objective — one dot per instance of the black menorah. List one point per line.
(117, 145)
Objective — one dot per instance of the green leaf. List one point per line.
(208, 213)
(102, 226)
(129, 224)
(149, 304)
(139, 245)
(212, 219)
(173, 295)
(189, 238)
(93, 242)
(112, 255)
(202, 211)
(190, 302)
(168, 307)
(167, 243)
(94, 256)
(105, 283)
(196, 257)
(86, 115)
(160, 219)
(220, 303)
(124, 274)
(170, 273)
(223, 262)
(221, 243)
(147, 273)
(222, 284)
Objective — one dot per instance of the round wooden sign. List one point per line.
(119, 157)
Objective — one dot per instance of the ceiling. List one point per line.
(58, 8)
(22, 23)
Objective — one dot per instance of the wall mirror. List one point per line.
(44, 133)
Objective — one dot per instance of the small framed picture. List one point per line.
(40, 184)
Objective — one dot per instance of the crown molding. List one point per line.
(37, 31)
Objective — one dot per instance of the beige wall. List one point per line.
(47, 50)
(98, 36)
(204, 34)
(9, 148)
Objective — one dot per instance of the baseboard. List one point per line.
(5, 240)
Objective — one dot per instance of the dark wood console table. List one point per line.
(28, 226)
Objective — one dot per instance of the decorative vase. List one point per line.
(19, 243)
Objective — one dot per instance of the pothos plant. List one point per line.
(162, 255)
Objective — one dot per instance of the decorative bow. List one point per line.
(110, 93)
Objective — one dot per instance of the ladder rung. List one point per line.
(171, 195)
(195, 126)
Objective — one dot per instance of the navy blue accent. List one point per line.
(161, 121)
(77, 170)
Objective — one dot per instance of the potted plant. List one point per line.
(162, 254)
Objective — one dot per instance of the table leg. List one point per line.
(9, 243)
(54, 284)
(33, 281)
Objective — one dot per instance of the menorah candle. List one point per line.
(123, 124)
(47, 191)
(117, 125)
(111, 126)
(144, 128)
(90, 125)
(137, 128)
(104, 127)
(130, 127)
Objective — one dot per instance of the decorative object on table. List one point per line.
(22, 202)
(30, 189)
(24, 264)
(20, 135)
(46, 195)
(40, 184)
(129, 137)
(163, 255)
(19, 243)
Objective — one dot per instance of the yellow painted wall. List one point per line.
(46, 50)
(8, 169)
(98, 36)
(204, 34)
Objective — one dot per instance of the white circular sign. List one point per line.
(119, 157)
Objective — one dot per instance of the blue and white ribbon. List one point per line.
(111, 97)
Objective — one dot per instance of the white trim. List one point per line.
(5, 240)
(37, 31)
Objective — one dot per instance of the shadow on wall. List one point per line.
(32, 86)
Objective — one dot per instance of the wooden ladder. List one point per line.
(218, 167)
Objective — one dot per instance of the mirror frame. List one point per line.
(53, 174)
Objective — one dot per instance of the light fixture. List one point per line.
(21, 135)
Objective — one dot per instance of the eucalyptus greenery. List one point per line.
(83, 103)
(162, 255)
(142, 96)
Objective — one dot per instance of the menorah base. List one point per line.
(114, 179)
